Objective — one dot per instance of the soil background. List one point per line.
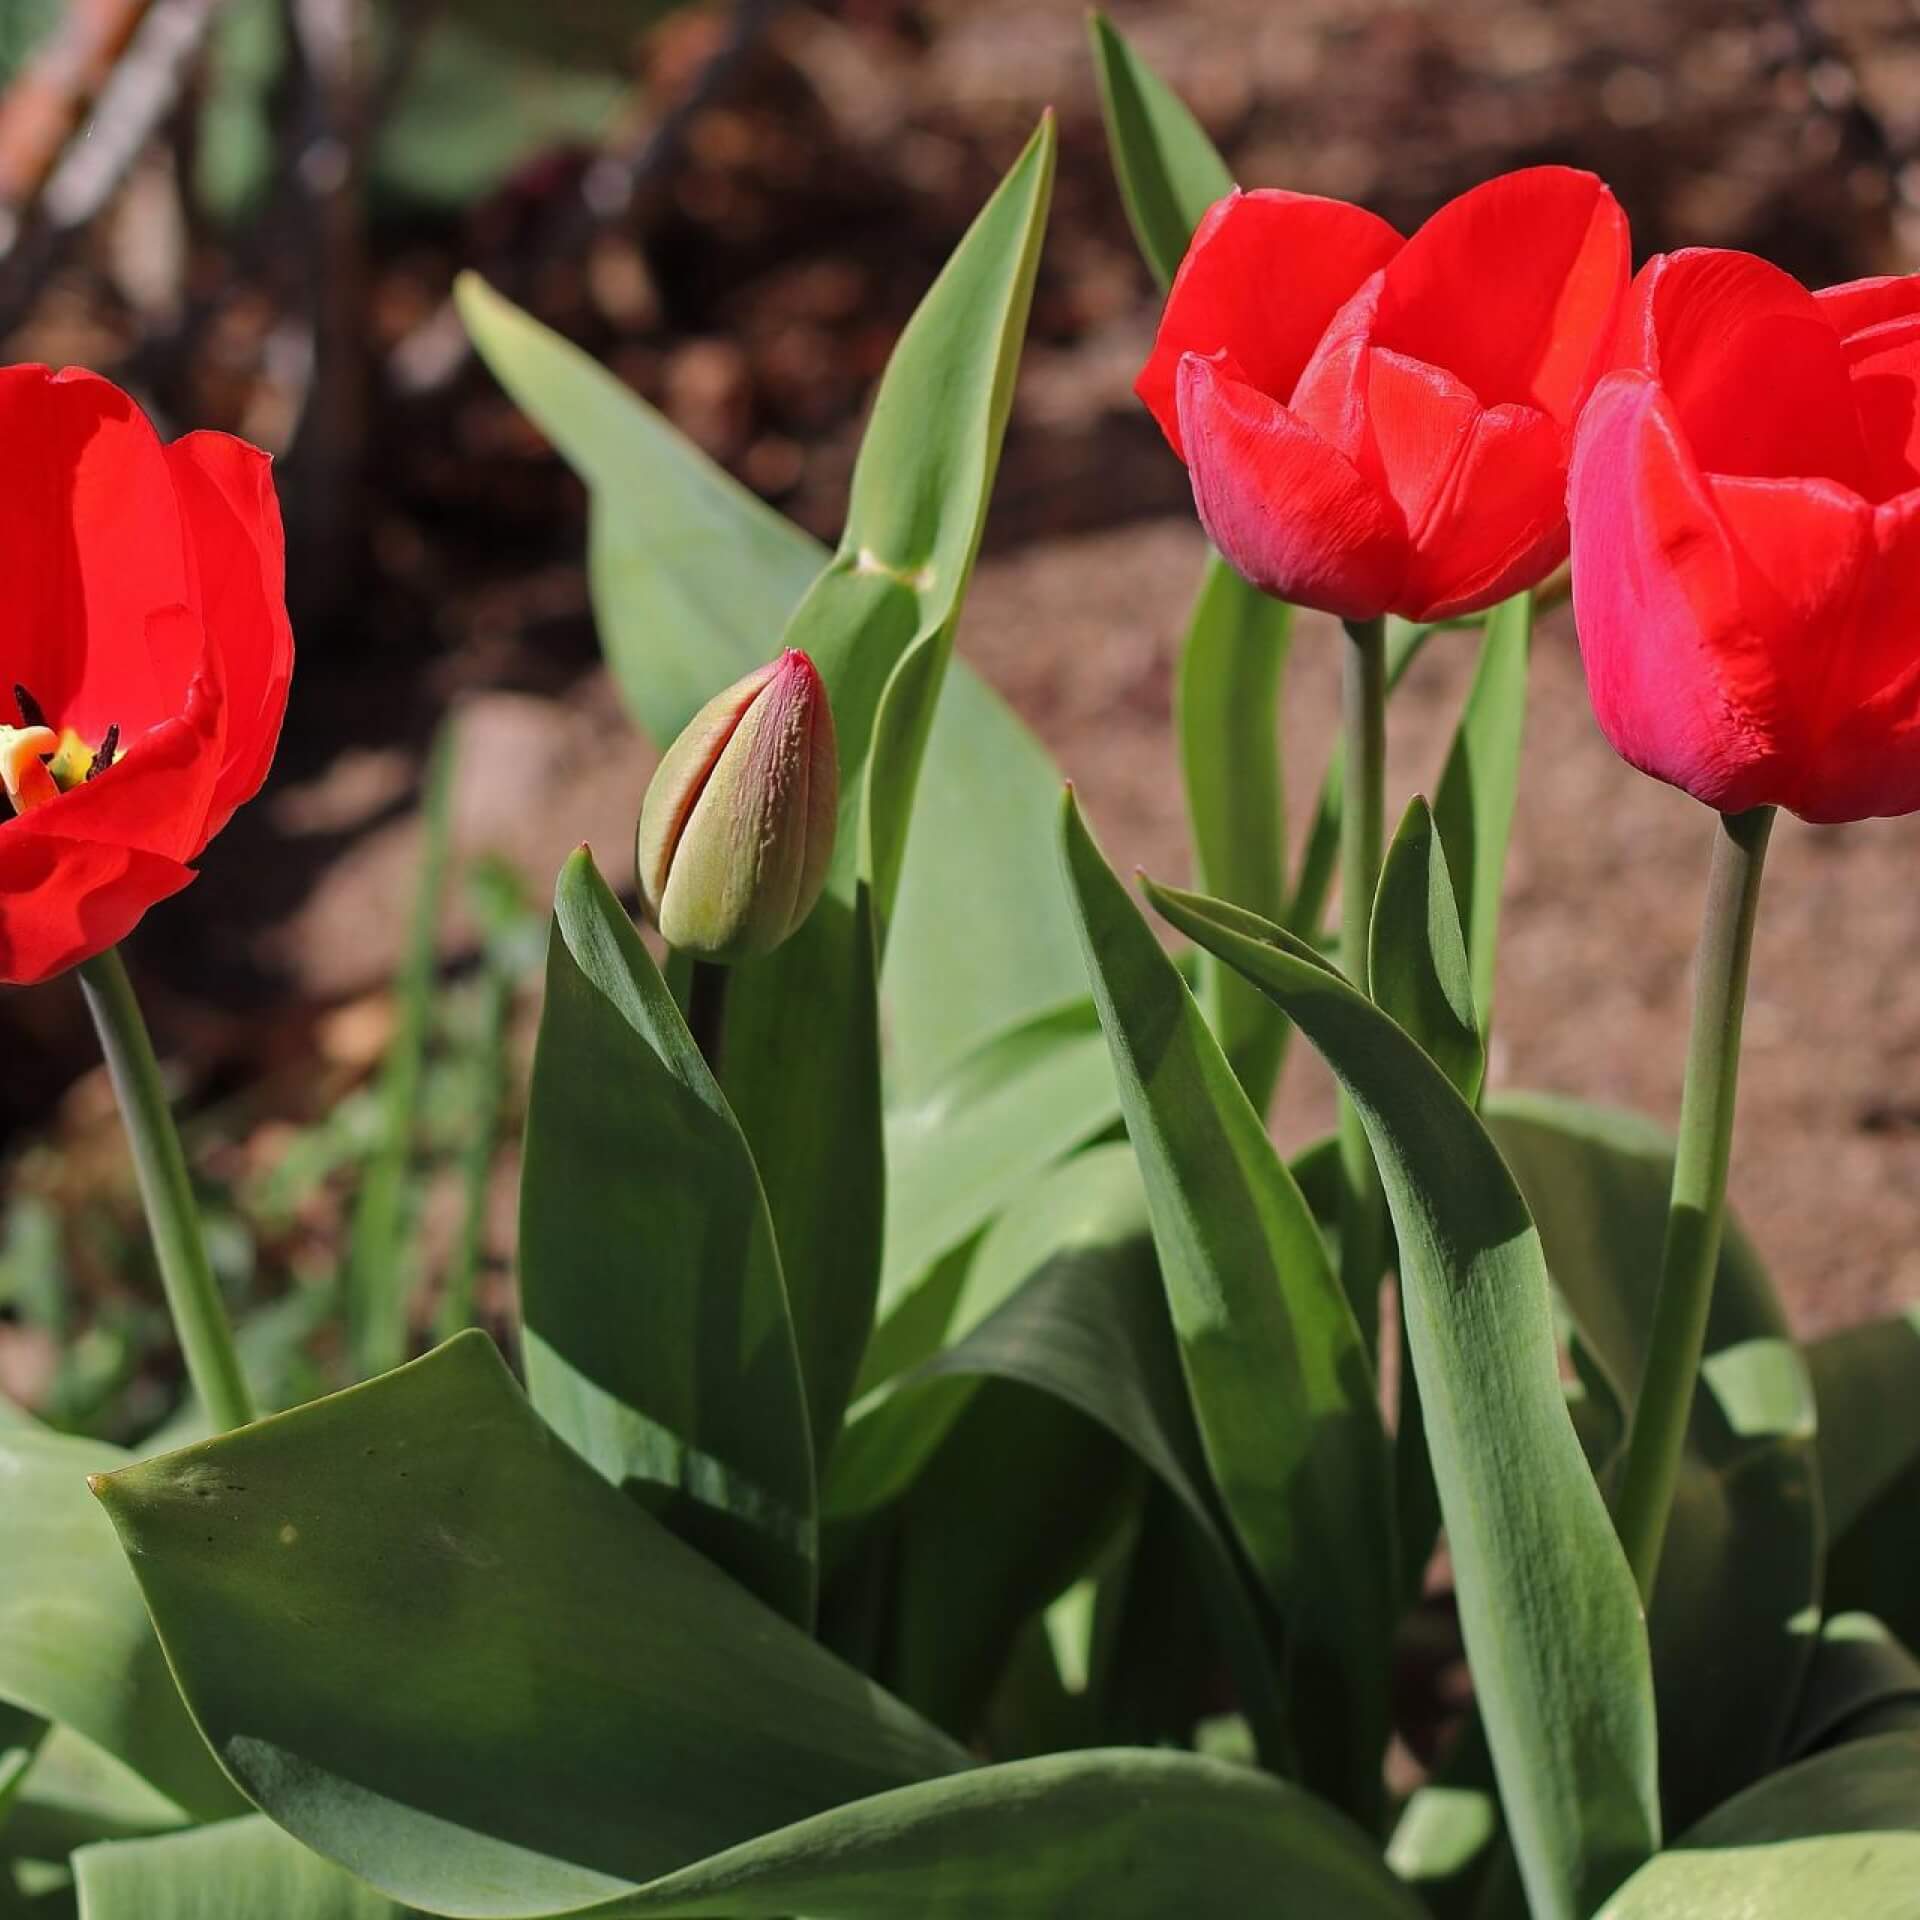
(754, 288)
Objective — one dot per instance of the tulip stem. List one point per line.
(200, 1320)
(1363, 805)
(707, 1012)
(1697, 1210)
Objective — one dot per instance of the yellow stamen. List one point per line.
(23, 769)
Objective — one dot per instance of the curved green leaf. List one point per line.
(1168, 170)
(1866, 1380)
(75, 1644)
(238, 1870)
(1417, 966)
(1225, 703)
(658, 1343)
(1839, 1834)
(438, 1647)
(807, 1089)
(1861, 1680)
(1275, 1362)
(1473, 804)
(1552, 1622)
(1741, 1577)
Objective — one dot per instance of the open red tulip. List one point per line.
(1376, 425)
(1745, 501)
(148, 655)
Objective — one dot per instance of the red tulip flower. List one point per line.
(1746, 538)
(148, 658)
(1377, 425)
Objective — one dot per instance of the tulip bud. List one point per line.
(736, 831)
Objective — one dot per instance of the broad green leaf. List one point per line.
(237, 1870)
(1553, 1626)
(1473, 804)
(1860, 1681)
(982, 935)
(1866, 1380)
(75, 1645)
(437, 1646)
(658, 1343)
(1741, 1575)
(1838, 1834)
(1064, 1296)
(1275, 1363)
(807, 1089)
(693, 581)
(21, 1736)
(76, 1793)
(1168, 170)
(957, 1155)
(1225, 714)
(1417, 967)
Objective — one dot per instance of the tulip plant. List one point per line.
(953, 1461)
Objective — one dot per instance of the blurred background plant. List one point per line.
(251, 212)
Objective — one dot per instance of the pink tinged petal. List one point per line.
(1681, 684)
(1332, 395)
(1290, 513)
(1836, 581)
(1859, 304)
(1264, 274)
(681, 777)
(1514, 287)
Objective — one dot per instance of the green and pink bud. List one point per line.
(736, 832)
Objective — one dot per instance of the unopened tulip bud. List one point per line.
(736, 831)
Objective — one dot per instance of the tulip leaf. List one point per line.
(437, 1646)
(693, 582)
(76, 1648)
(1867, 1382)
(807, 1090)
(1063, 1295)
(958, 1154)
(1860, 1682)
(1742, 1567)
(76, 1793)
(1417, 965)
(1552, 1622)
(1169, 171)
(658, 1342)
(1473, 804)
(236, 1870)
(1231, 662)
(1836, 1834)
(1275, 1362)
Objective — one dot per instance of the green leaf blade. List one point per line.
(1552, 1622)
(659, 1343)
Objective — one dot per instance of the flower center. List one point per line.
(38, 765)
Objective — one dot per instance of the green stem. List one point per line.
(1698, 1207)
(1362, 835)
(707, 1011)
(193, 1297)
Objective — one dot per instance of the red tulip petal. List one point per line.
(1885, 367)
(1859, 304)
(1681, 683)
(239, 559)
(1265, 273)
(155, 798)
(1755, 372)
(1288, 511)
(1836, 582)
(1515, 288)
(63, 901)
(90, 545)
